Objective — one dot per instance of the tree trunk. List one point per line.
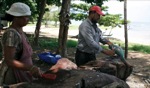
(64, 26)
(125, 28)
(38, 25)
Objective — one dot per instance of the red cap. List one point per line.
(97, 9)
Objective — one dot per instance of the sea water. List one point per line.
(140, 31)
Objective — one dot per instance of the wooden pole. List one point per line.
(125, 29)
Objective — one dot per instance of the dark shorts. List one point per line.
(82, 58)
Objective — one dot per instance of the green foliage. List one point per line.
(111, 20)
(133, 46)
(49, 43)
(84, 7)
(7, 3)
(34, 5)
(78, 17)
(46, 16)
(51, 15)
(107, 20)
(71, 43)
(97, 2)
(54, 2)
(140, 48)
(82, 11)
(52, 43)
(54, 16)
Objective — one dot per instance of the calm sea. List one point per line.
(138, 32)
(141, 31)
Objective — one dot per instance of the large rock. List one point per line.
(76, 79)
(110, 65)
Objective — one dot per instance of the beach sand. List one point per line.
(140, 37)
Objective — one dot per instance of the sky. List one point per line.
(137, 10)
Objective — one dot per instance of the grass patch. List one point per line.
(51, 43)
(71, 43)
(140, 48)
(134, 46)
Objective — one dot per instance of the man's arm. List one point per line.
(108, 51)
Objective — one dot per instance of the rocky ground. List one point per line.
(140, 77)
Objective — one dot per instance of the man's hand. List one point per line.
(109, 52)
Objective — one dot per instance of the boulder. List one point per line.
(110, 65)
(76, 79)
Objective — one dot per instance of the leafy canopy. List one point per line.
(80, 12)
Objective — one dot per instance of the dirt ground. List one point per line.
(140, 77)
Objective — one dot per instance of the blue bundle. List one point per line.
(49, 57)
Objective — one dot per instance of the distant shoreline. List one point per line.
(140, 37)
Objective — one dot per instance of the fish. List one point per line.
(64, 64)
